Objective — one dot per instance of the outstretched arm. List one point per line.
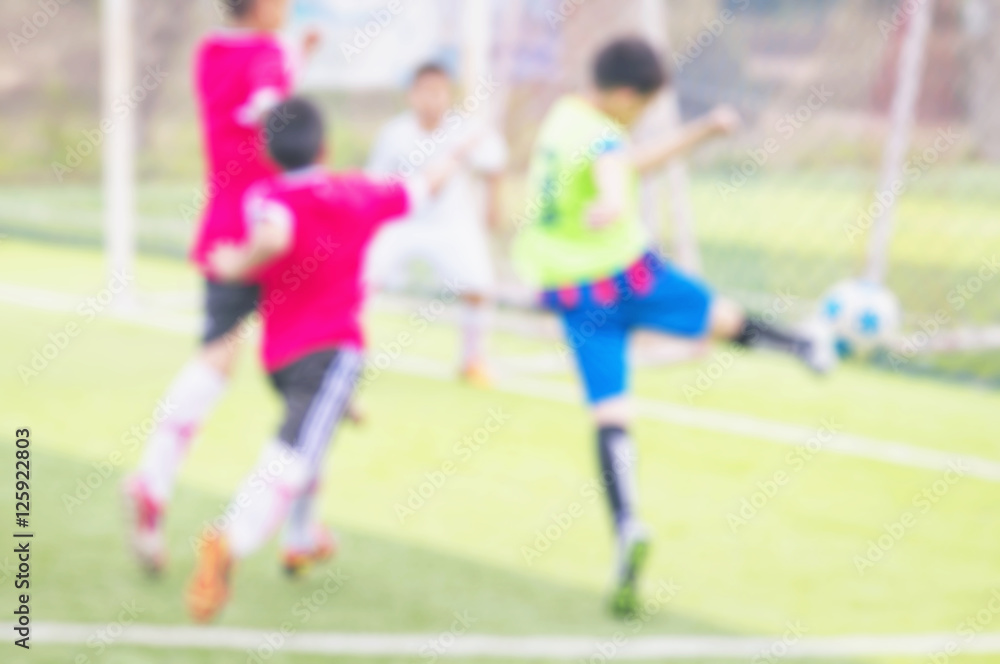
(655, 154)
(438, 174)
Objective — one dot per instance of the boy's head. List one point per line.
(268, 15)
(628, 73)
(295, 134)
(431, 93)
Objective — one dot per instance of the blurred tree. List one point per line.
(46, 51)
(162, 33)
(54, 74)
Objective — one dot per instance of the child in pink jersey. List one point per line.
(309, 230)
(240, 75)
(242, 72)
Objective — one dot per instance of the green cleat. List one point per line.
(625, 599)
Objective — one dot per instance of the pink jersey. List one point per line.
(238, 74)
(311, 297)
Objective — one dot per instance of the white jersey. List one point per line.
(404, 147)
(449, 232)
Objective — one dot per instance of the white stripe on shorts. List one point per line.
(328, 406)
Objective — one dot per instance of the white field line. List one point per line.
(520, 647)
(897, 453)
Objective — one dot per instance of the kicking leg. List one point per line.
(814, 346)
(677, 304)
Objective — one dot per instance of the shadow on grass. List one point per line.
(83, 573)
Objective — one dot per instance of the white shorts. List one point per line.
(432, 256)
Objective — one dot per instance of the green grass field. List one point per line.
(463, 551)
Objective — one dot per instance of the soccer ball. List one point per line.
(864, 316)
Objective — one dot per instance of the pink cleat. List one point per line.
(145, 516)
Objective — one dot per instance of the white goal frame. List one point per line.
(119, 151)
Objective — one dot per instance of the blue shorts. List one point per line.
(600, 317)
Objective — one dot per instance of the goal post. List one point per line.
(118, 159)
(665, 114)
(476, 43)
(902, 117)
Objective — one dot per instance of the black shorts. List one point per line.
(316, 390)
(226, 305)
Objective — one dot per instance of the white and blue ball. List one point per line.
(863, 315)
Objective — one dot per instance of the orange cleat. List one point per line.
(476, 374)
(298, 562)
(208, 591)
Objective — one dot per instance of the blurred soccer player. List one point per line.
(242, 72)
(587, 248)
(450, 236)
(309, 233)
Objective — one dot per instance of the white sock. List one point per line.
(298, 534)
(265, 498)
(189, 400)
(475, 325)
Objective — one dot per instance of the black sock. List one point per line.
(617, 457)
(758, 334)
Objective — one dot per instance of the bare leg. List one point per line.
(731, 323)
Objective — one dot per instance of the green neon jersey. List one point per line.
(555, 246)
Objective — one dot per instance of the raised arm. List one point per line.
(654, 154)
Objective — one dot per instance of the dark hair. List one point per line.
(238, 8)
(430, 69)
(295, 133)
(630, 62)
